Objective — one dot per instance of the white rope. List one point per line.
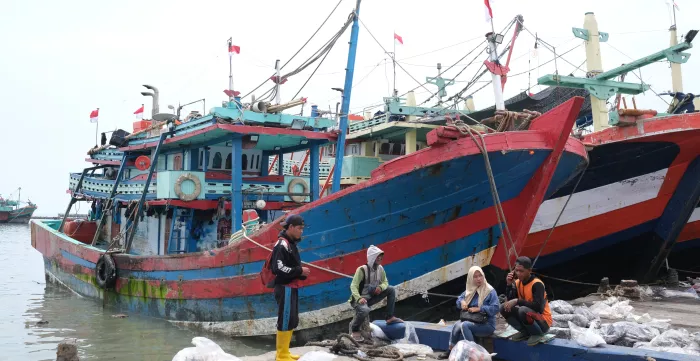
(424, 293)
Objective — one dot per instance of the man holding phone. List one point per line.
(527, 308)
(286, 266)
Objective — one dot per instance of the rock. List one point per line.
(67, 350)
(42, 322)
(604, 286)
(120, 315)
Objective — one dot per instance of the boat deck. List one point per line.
(683, 312)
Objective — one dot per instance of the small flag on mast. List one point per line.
(139, 113)
(488, 11)
(93, 115)
(233, 48)
(398, 38)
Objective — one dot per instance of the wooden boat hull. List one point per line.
(431, 212)
(20, 215)
(637, 193)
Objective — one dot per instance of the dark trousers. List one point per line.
(288, 307)
(519, 319)
(362, 311)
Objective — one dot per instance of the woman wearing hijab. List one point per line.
(478, 297)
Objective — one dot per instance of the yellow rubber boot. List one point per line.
(284, 338)
(293, 356)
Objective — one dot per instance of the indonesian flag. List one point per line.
(93, 115)
(233, 48)
(487, 10)
(139, 113)
(398, 38)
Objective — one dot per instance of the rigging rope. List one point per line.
(300, 49)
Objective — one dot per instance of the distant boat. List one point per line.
(12, 211)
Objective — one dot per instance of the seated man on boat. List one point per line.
(478, 306)
(286, 266)
(527, 308)
(369, 286)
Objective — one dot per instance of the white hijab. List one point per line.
(484, 290)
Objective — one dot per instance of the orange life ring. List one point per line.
(143, 162)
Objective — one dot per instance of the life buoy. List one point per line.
(197, 187)
(142, 162)
(290, 189)
(106, 271)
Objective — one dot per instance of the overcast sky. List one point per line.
(62, 59)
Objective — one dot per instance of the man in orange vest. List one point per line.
(527, 308)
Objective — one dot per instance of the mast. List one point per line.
(493, 38)
(230, 71)
(345, 108)
(594, 66)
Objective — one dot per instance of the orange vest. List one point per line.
(525, 293)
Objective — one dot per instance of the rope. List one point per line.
(686, 271)
(551, 230)
(500, 214)
(352, 348)
(300, 49)
(424, 293)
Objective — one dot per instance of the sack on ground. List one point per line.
(561, 307)
(204, 350)
(469, 351)
(586, 337)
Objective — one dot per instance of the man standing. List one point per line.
(527, 308)
(369, 286)
(286, 266)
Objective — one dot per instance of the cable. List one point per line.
(300, 49)
(312, 74)
(549, 61)
(443, 48)
(639, 76)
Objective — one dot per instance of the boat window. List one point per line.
(177, 162)
(227, 165)
(216, 164)
(201, 156)
(385, 148)
(244, 161)
(396, 149)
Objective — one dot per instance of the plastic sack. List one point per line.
(612, 333)
(410, 336)
(635, 332)
(585, 312)
(672, 338)
(560, 332)
(689, 293)
(645, 318)
(561, 307)
(601, 309)
(377, 332)
(621, 309)
(204, 350)
(405, 348)
(563, 320)
(469, 351)
(586, 337)
(661, 325)
(317, 356)
(688, 350)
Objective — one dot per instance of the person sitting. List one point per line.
(479, 297)
(368, 287)
(526, 308)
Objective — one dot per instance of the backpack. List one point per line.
(267, 277)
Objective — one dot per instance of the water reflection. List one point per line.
(36, 316)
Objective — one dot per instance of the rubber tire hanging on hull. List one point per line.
(106, 272)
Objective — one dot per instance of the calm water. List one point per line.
(26, 298)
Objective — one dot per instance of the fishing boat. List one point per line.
(13, 211)
(625, 212)
(186, 211)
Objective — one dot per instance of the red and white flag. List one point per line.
(139, 113)
(398, 38)
(233, 49)
(93, 115)
(487, 10)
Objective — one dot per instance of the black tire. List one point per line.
(106, 272)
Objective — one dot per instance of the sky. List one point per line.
(61, 60)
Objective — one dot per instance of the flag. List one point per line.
(233, 48)
(487, 10)
(139, 112)
(398, 38)
(93, 115)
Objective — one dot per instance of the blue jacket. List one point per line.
(491, 305)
